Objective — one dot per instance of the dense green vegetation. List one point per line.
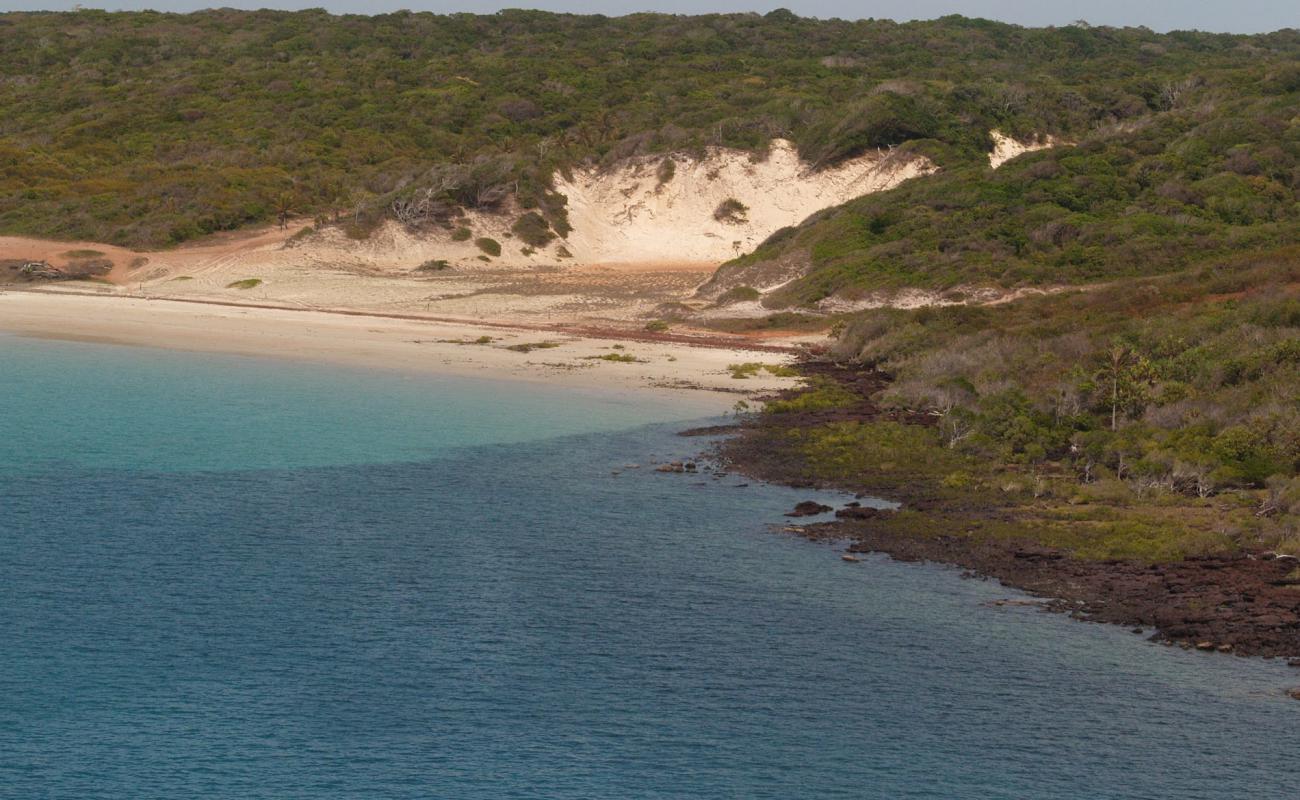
(1216, 173)
(1150, 419)
(150, 129)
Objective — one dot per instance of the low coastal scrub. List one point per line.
(1151, 420)
(618, 358)
(246, 283)
(1187, 385)
(1213, 174)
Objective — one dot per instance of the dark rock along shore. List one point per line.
(1243, 603)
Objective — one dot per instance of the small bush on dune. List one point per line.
(533, 229)
(731, 212)
(489, 246)
(667, 169)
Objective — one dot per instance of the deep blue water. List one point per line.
(228, 578)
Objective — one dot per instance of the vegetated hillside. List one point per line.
(1217, 173)
(149, 129)
(1151, 420)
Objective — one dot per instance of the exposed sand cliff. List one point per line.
(645, 236)
(627, 214)
(1006, 148)
(640, 238)
(644, 212)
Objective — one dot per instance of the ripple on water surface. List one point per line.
(481, 609)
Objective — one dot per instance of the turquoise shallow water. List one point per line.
(229, 578)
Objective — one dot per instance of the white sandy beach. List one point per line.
(417, 345)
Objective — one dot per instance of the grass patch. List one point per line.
(489, 246)
(740, 294)
(300, 235)
(617, 358)
(1149, 533)
(246, 283)
(822, 395)
(658, 326)
(83, 254)
(783, 321)
(528, 347)
(461, 234)
(880, 453)
(752, 368)
(434, 265)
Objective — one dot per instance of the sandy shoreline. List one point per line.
(403, 344)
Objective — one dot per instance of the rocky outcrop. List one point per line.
(808, 508)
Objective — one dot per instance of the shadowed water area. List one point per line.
(231, 578)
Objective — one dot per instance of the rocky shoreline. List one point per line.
(1241, 603)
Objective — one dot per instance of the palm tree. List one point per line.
(283, 208)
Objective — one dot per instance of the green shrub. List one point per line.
(533, 229)
(731, 212)
(821, 395)
(739, 294)
(490, 247)
(666, 170)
